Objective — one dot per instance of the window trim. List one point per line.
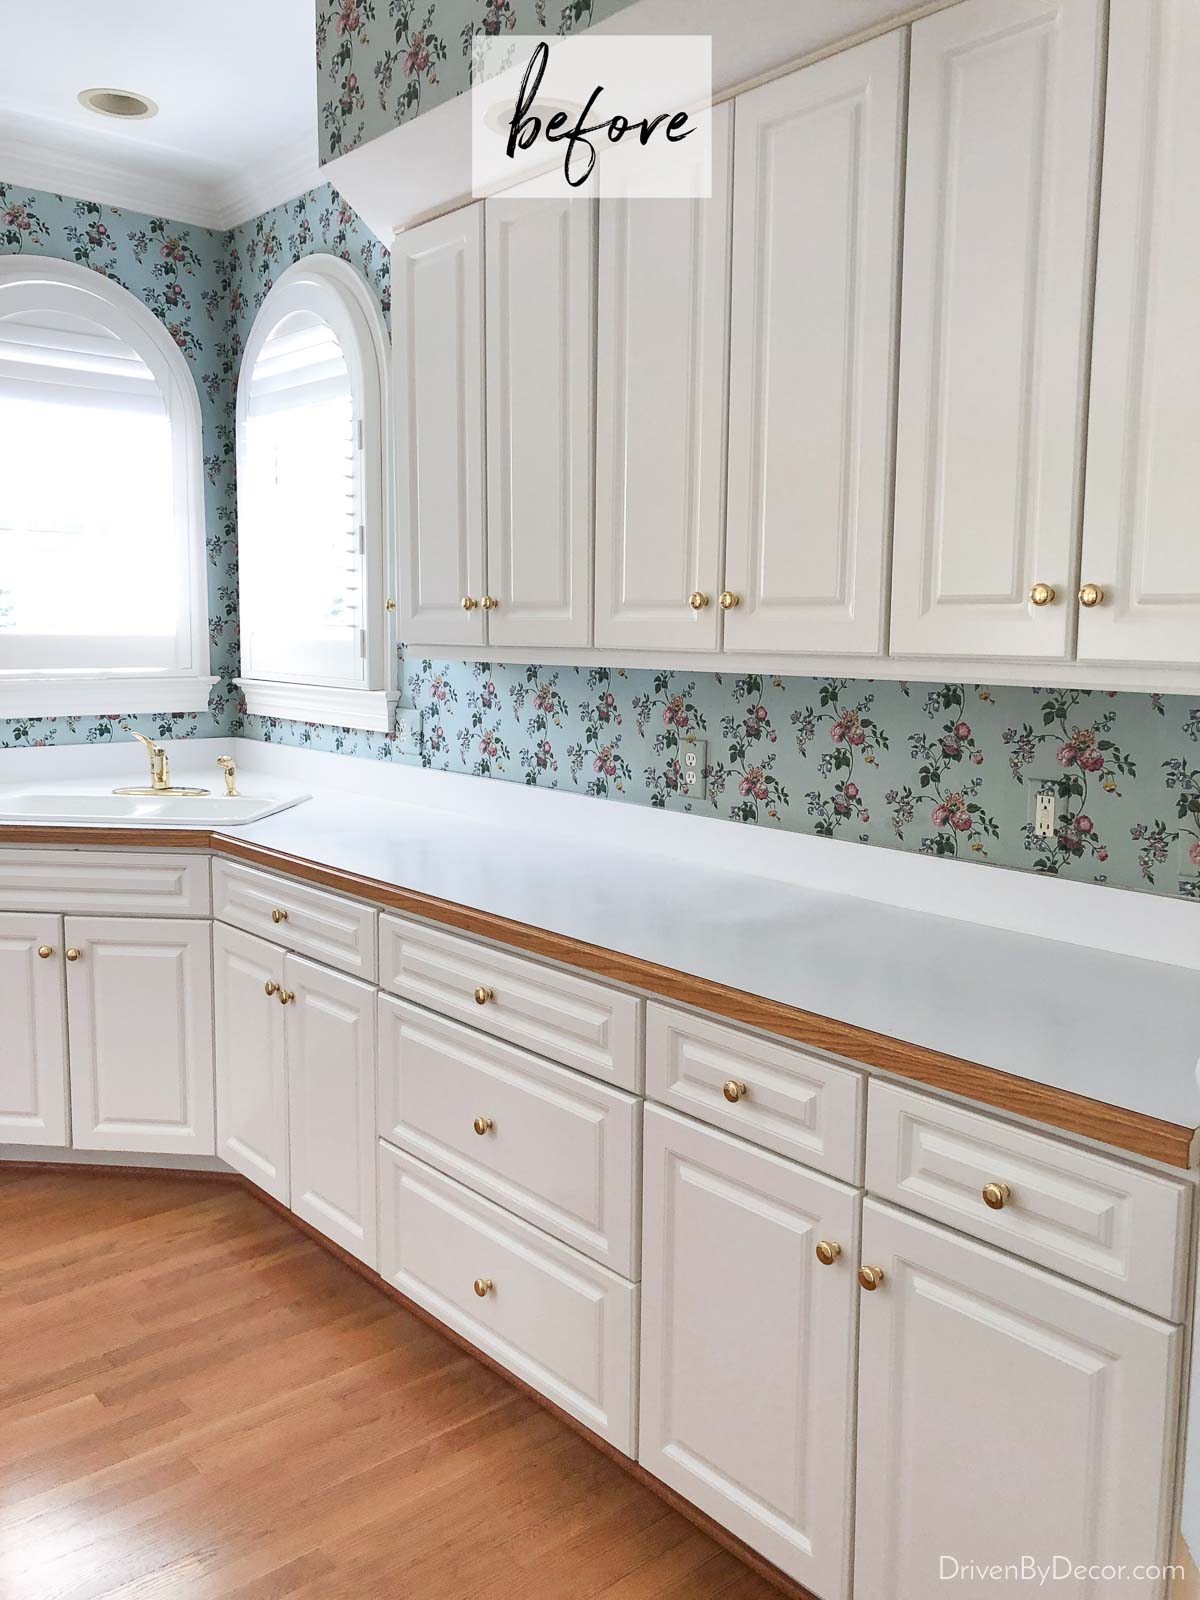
(316, 283)
(186, 686)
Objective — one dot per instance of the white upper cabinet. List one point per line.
(437, 388)
(33, 1039)
(1003, 156)
(817, 165)
(540, 369)
(660, 414)
(1141, 536)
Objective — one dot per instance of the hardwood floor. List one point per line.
(196, 1400)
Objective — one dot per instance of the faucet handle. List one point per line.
(229, 767)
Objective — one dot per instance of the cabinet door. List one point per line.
(660, 413)
(1003, 155)
(251, 1068)
(1004, 1413)
(817, 168)
(139, 1009)
(437, 385)
(747, 1398)
(33, 1038)
(540, 337)
(1141, 544)
(331, 1097)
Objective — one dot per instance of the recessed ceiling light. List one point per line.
(117, 103)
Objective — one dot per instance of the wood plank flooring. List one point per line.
(196, 1401)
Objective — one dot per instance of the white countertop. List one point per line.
(1107, 1025)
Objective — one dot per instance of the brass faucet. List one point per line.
(160, 771)
(229, 768)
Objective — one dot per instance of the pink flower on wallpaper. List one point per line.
(349, 18)
(962, 730)
(1084, 823)
(675, 714)
(17, 217)
(417, 59)
(171, 250)
(1194, 854)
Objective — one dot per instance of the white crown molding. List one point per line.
(41, 154)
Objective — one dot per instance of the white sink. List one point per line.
(144, 810)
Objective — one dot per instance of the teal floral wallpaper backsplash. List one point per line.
(382, 62)
(946, 769)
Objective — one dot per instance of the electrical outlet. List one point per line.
(693, 758)
(409, 732)
(1045, 807)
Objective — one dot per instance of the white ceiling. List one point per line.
(235, 82)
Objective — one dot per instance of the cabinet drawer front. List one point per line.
(572, 1020)
(558, 1149)
(324, 926)
(99, 882)
(788, 1101)
(561, 1323)
(1116, 1227)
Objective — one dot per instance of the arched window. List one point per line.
(316, 638)
(103, 603)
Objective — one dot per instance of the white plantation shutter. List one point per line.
(300, 515)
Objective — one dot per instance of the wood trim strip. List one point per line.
(1173, 1144)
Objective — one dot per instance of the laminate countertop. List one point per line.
(1068, 1018)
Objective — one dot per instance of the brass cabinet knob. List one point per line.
(483, 1286)
(286, 996)
(1042, 594)
(489, 602)
(278, 916)
(45, 951)
(698, 601)
(995, 1195)
(389, 605)
(468, 604)
(72, 955)
(728, 601)
(270, 988)
(870, 1277)
(733, 1091)
(1091, 595)
(828, 1252)
(483, 994)
(483, 1125)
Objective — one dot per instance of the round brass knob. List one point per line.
(45, 951)
(733, 1091)
(489, 602)
(698, 601)
(828, 1252)
(270, 988)
(728, 601)
(468, 604)
(1091, 595)
(72, 955)
(1042, 594)
(482, 1125)
(286, 996)
(870, 1277)
(278, 916)
(995, 1195)
(389, 605)
(483, 994)
(483, 1286)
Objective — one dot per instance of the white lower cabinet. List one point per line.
(331, 1103)
(748, 1346)
(251, 1063)
(139, 1008)
(33, 1035)
(1005, 1415)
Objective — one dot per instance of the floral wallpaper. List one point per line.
(381, 62)
(945, 769)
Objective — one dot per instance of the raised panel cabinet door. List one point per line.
(437, 388)
(661, 355)
(1004, 1414)
(818, 161)
(251, 1064)
(139, 1022)
(748, 1344)
(331, 1094)
(33, 1032)
(1141, 535)
(1003, 161)
(541, 277)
